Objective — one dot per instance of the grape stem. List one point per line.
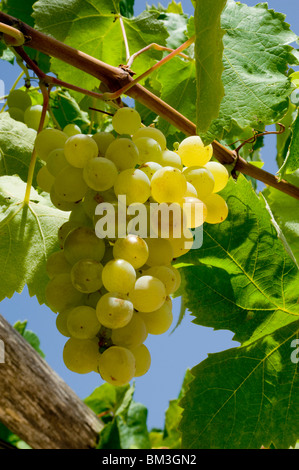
(11, 35)
(117, 77)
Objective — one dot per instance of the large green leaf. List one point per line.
(28, 237)
(291, 162)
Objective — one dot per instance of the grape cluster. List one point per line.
(111, 292)
(20, 108)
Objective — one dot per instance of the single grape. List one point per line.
(149, 150)
(177, 275)
(220, 174)
(123, 153)
(64, 230)
(168, 185)
(92, 299)
(100, 173)
(82, 322)
(118, 276)
(133, 249)
(56, 161)
(86, 275)
(148, 294)
(117, 365)
(160, 251)
(57, 264)
(183, 244)
(16, 113)
(81, 355)
(170, 158)
(103, 140)
(80, 148)
(195, 211)
(92, 198)
(61, 322)
(32, 116)
(193, 152)
(79, 215)
(126, 121)
(133, 184)
(60, 203)
(152, 133)
(114, 311)
(71, 129)
(142, 360)
(61, 294)
(19, 99)
(191, 191)
(150, 168)
(158, 321)
(44, 179)
(166, 275)
(132, 335)
(217, 210)
(48, 140)
(69, 184)
(202, 180)
(82, 243)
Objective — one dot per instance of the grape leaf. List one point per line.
(241, 279)
(30, 337)
(66, 110)
(28, 237)
(291, 162)
(245, 397)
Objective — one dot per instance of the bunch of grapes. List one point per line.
(111, 291)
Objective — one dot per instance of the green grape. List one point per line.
(217, 210)
(82, 322)
(123, 153)
(150, 168)
(117, 365)
(195, 211)
(61, 294)
(48, 140)
(60, 203)
(118, 276)
(57, 264)
(32, 117)
(202, 180)
(86, 275)
(160, 251)
(82, 243)
(56, 161)
(80, 148)
(93, 298)
(71, 129)
(16, 113)
(103, 140)
(92, 198)
(69, 184)
(168, 185)
(191, 191)
(64, 230)
(126, 121)
(61, 322)
(132, 335)
(149, 150)
(81, 355)
(142, 360)
(19, 99)
(148, 294)
(158, 321)
(100, 173)
(133, 249)
(220, 174)
(193, 152)
(114, 311)
(79, 215)
(166, 275)
(170, 158)
(44, 179)
(183, 244)
(152, 133)
(178, 278)
(133, 184)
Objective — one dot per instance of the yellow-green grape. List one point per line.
(117, 365)
(69, 184)
(166, 275)
(170, 158)
(56, 161)
(191, 191)
(100, 173)
(158, 321)
(193, 152)
(181, 245)
(92, 198)
(132, 335)
(119, 276)
(16, 113)
(82, 322)
(86, 275)
(142, 360)
(217, 210)
(80, 148)
(57, 264)
(19, 99)
(160, 251)
(202, 180)
(61, 322)
(79, 215)
(220, 174)
(44, 179)
(60, 203)
(64, 230)
(133, 249)
(92, 299)
(123, 153)
(195, 211)
(133, 184)
(148, 294)
(82, 243)
(168, 185)
(126, 121)
(48, 140)
(150, 168)
(81, 355)
(178, 278)
(61, 294)
(152, 133)
(114, 311)
(71, 129)
(103, 140)
(33, 115)
(149, 150)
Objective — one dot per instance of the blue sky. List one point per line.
(172, 353)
